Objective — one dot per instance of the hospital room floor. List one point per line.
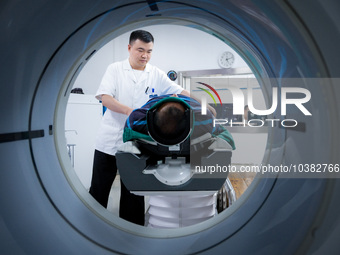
(113, 204)
(239, 181)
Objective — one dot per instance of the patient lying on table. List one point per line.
(169, 126)
(172, 126)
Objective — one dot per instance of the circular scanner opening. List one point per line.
(193, 51)
(71, 200)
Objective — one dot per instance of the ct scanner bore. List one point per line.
(43, 208)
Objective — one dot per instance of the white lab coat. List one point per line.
(120, 82)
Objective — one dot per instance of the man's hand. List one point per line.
(212, 109)
(187, 93)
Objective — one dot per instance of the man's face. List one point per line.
(140, 54)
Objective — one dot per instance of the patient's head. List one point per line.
(170, 120)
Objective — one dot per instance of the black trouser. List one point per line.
(131, 206)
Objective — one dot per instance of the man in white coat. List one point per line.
(125, 86)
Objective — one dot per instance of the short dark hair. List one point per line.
(142, 35)
(170, 120)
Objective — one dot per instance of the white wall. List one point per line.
(176, 48)
(83, 115)
(90, 76)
